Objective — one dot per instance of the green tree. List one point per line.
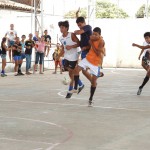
(141, 12)
(103, 10)
(109, 10)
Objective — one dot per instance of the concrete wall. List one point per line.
(119, 34)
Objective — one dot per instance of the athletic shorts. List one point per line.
(146, 58)
(17, 58)
(94, 70)
(23, 56)
(69, 64)
(84, 53)
(10, 43)
(3, 56)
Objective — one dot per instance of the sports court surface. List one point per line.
(34, 115)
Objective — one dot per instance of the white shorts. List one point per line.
(94, 70)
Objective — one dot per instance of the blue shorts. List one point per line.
(3, 56)
(10, 43)
(84, 53)
(17, 58)
(23, 56)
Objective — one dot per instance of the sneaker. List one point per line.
(139, 91)
(17, 74)
(90, 104)
(2, 75)
(101, 74)
(80, 88)
(5, 75)
(21, 73)
(74, 91)
(69, 94)
(41, 73)
(27, 73)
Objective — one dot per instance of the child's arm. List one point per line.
(7, 49)
(100, 48)
(141, 47)
(77, 13)
(74, 39)
(141, 54)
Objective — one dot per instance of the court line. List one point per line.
(10, 139)
(70, 133)
(115, 72)
(101, 107)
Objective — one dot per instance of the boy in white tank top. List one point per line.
(70, 44)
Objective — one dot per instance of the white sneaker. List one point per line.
(75, 91)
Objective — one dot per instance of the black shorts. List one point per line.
(69, 64)
(146, 58)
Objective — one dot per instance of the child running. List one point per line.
(146, 64)
(144, 52)
(92, 61)
(70, 44)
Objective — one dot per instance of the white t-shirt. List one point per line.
(145, 44)
(11, 35)
(72, 54)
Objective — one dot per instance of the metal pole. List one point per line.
(147, 9)
(32, 16)
(91, 12)
(42, 23)
(35, 22)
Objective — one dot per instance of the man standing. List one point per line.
(12, 34)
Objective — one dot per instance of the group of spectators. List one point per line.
(22, 48)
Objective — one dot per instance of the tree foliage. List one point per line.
(109, 10)
(141, 12)
(103, 10)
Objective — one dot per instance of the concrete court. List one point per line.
(34, 115)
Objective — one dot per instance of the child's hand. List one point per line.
(139, 57)
(133, 44)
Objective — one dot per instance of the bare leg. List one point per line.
(144, 66)
(87, 75)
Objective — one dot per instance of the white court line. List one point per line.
(10, 139)
(59, 93)
(70, 134)
(115, 108)
(53, 146)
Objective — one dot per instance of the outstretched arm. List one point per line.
(141, 47)
(141, 54)
(77, 13)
